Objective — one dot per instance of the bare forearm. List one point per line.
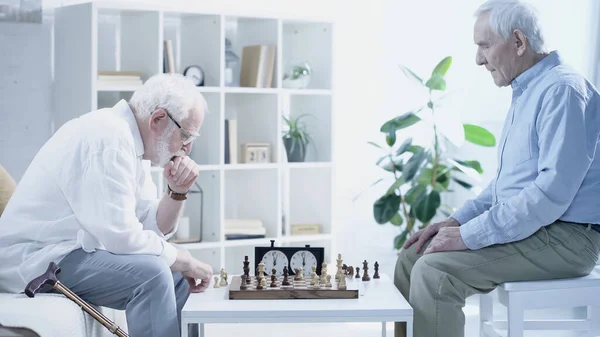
(168, 212)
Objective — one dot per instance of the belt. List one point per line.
(595, 227)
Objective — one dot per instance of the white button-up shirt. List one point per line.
(84, 189)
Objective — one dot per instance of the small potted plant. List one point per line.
(296, 139)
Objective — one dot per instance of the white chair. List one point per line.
(563, 293)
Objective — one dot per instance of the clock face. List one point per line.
(305, 260)
(195, 74)
(275, 259)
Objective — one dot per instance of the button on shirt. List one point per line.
(548, 167)
(84, 189)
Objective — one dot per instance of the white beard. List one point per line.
(162, 150)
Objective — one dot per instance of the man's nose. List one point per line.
(187, 149)
(479, 58)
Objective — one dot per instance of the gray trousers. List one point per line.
(437, 284)
(142, 285)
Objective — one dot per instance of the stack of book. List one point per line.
(236, 229)
(119, 78)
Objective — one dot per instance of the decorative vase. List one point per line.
(297, 75)
(298, 153)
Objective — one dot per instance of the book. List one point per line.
(257, 66)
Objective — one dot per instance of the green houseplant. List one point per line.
(296, 138)
(420, 174)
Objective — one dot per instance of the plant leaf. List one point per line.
(390, 138)
(436, 82)
(395, 185)
(385, 208)
(410, 73)
(426, 207)
(400, 239)
(397, 220)
(474, 164)
(465, 169)
(414, 193)
(478, 135)
(403, 121)
(463, 183)
(412, 165)
(442, 67)
(404, 146)
(375, 144)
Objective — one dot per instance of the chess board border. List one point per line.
(288, 292)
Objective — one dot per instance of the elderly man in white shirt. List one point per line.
(80, 204)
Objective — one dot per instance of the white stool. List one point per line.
(564, 293)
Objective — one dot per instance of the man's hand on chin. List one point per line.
(447, 239)
(181, 173)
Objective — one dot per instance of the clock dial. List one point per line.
(195, 74)
(275, 259)
(305, 260)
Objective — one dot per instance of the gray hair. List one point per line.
(172, 92)
(507, 15)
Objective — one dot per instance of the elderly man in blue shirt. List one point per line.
(539, 216)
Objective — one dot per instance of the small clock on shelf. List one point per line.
(291, 257)
(195, 74)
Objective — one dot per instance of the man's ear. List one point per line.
(158, 121)
(519, 41)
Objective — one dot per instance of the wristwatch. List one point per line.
(175, 195)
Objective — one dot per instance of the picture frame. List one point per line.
(256, 153)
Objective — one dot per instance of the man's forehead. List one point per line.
(482, 31)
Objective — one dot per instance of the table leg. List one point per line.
(201, 329)
(184, 329)
(409, 328)
(383, 329)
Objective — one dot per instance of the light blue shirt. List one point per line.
(548, 163)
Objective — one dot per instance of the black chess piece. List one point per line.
(366, 271)
(243, 285)
(376, 275)
(247, 269)
(285, 281)
(273, 271)
(273, 280)
(357, 273)
(349, 270)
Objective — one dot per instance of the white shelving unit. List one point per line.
(98, 36)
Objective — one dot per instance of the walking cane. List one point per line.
(49, 277)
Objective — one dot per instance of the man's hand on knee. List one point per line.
(425, 234)
(447, 239)
(193, 270)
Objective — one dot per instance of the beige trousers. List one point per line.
(437, 284)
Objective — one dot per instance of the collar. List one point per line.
(550, 61)
(122, 107)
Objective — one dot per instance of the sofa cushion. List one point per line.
(7, 187)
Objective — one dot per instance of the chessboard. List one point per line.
(295, 290)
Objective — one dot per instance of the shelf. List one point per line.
(196, 40)
(309, 42)
(110, 87)
(248, 242)
(248, 90)
(269, 166)
(316, 92)
(309, 165)
(304, 238)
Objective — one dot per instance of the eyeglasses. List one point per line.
(186, 137)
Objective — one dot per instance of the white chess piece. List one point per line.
(324, 273)
(342, 283)
(216, 285)
(223, 282)
(328, 284)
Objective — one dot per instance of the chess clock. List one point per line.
(291, 257)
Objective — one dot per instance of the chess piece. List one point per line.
(376, 275)
(314, 277)
(324, 273)
(263, 283)
(243, 284)
(342, 284)
(261, 269)
(259, 284)
(349, 270)
(366, 271)
(216, 285)
(328, 284)
(338, 274)
(247, 269)
(223, 278)
(300, 274)
(297, 276)
(285, 281)
(357, 273)
(273, 280)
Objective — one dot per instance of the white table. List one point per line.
(379, 301)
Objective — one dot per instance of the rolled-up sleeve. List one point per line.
(103, 199)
